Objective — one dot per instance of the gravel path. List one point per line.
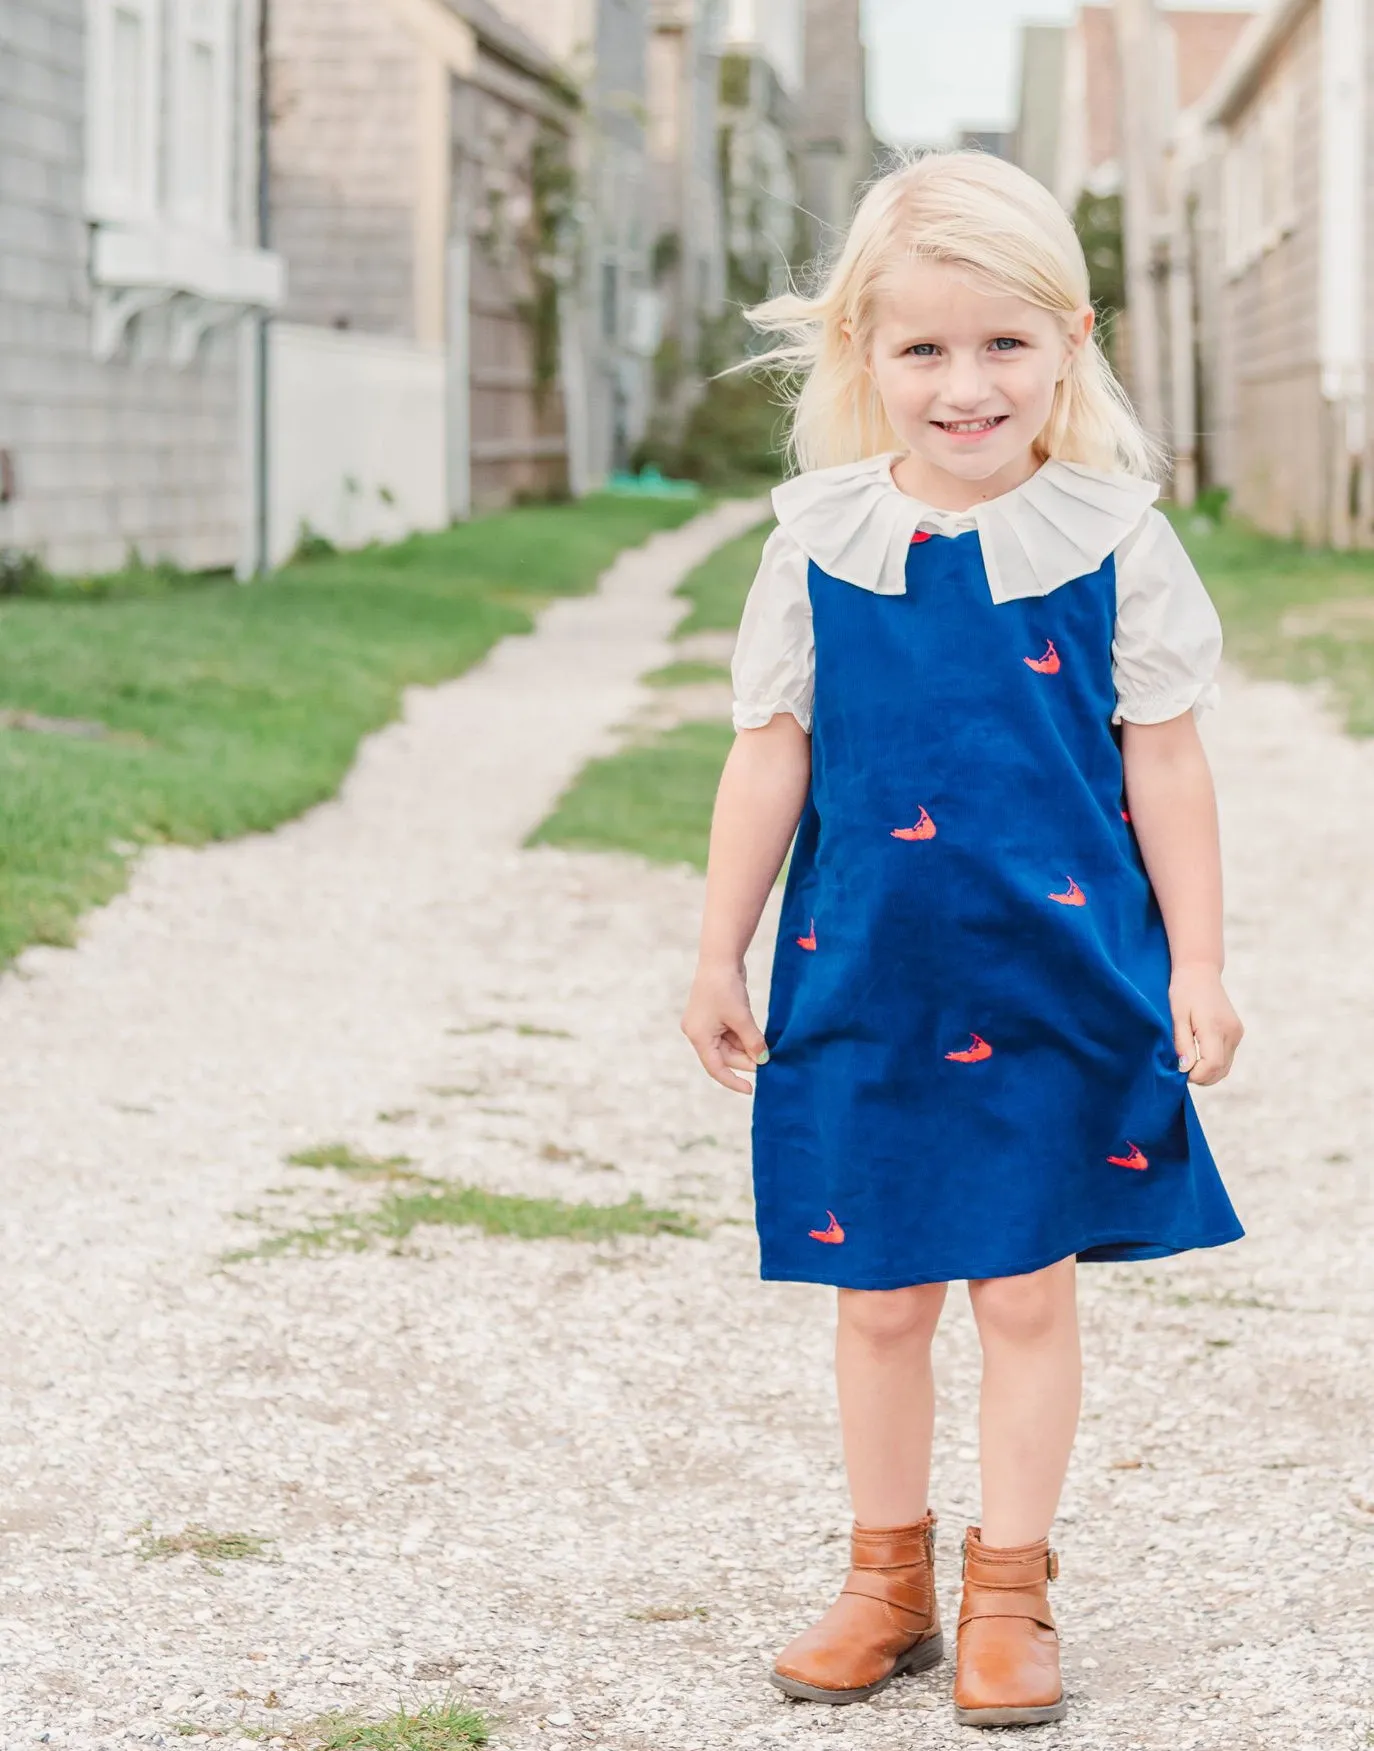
(594, 1487)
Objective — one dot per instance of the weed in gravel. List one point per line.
(208, 1548)
(438, 1726)
(526, 1029)
(396, 1115)
(668, 1613)
(452, 1204)
(344, 1233)
(354, 1163)
(526, 1218)
(456, 1090)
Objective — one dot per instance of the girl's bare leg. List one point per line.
(1031, 1392)
(886, 1393)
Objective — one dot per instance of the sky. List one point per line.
(935, 65)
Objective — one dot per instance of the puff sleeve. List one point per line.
(773, 667)
(1167, 639)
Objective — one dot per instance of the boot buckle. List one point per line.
(1052, 1566)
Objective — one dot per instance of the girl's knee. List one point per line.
(1027, 1308)
(890, 1317)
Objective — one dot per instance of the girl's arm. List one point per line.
(758, 805)
(1173, 809)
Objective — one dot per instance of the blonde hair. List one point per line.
(979, 213)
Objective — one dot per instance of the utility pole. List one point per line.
(1142, 98)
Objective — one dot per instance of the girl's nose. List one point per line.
(964, 382)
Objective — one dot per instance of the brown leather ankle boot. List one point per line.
(885, 1621)
(1007, 1653)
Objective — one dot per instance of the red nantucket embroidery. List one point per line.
(1135, 1159)
(973, 1054)
(1046, 665)
(1125, 815)
(834, 1234)
(924, 828)
(808, 942)
(1074, 896)
(920, 535)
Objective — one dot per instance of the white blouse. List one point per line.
(1061, 524)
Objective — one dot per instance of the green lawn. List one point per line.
(655, 797)
(233, 707)
(1327, 599)
(717, 588)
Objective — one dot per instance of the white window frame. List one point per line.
(136, 199)
(1280, 135)
(201, 25)
(1260, 194)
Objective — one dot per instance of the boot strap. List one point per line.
(1007, 1602)
(890, 1589)
(986, 1571)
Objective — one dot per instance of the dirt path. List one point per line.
(593, 1487)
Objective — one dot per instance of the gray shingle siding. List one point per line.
(111, 455)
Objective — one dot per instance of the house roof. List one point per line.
(1202, 42)
(496, 32)
(1236, 81)
(1204, 39)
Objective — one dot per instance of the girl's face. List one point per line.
(967, 377)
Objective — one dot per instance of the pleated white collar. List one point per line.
(857, 524)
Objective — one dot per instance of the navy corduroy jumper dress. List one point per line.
(972, 1069)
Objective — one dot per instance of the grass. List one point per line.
(525, 1218)
(654, 799)
(354, 1162)
(717, 587)
(449, 1203)
(1257, 582)
(232, 708)
(440, 1726)
(687, 674)
(209, 1548)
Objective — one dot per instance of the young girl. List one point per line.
(967, 679)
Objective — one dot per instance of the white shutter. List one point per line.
(200, 141)
(123, 108)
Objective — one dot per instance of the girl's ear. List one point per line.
(847, 331)
(1079, 326)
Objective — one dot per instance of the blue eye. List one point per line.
(923, 348)
(1006, 342)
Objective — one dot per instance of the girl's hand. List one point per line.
(1201, 1008)
(721, 1026)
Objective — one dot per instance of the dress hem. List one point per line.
(1165, 1249)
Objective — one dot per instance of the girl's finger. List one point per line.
(718, 1072)
(746, 1031)
(1213, 1056)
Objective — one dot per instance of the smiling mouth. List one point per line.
(970, 428)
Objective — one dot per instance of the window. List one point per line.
(124, 103)
(201, 118)
(1260, 178)
(160, 105)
